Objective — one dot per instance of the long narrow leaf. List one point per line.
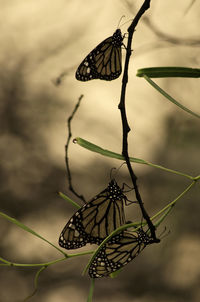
(163, 72)
(169, 97)
(65, 197)
(94, 148)
(27, 229)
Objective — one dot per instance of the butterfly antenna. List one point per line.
(120, 167)
(120, 20)
(116, 170)
(126, 22)
(111, 173)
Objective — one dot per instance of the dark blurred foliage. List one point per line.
(25, 163)
(29, 181)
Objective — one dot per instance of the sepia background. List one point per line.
(41, 40)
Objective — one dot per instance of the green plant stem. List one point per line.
(9, 263)
(35, 283)
(46, 264)
(172, 203)
(89, 299)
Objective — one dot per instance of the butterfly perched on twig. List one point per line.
(94, 221)
(104, 61)
(118, 252)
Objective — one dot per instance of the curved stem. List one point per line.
(125, 126)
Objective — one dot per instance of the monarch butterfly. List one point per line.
(104, 61)
(96, 219)
(119, 251)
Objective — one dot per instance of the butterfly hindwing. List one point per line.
(104, 61)
(93, 222)
(117, 252)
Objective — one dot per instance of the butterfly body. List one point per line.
(96, 219)
(117, 252)
(104, 61)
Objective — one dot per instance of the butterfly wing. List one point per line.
(96, 219)
(104, 61)
(118, 252)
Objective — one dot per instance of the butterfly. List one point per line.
(118, 252)
(104, 61)
(95, 220)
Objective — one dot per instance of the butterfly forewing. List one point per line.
(118, 252)
(96, 219)
(104, 61)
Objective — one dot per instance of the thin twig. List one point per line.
(67, 147)
(125, 126)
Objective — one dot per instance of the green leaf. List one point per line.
(27, 229)
(163, 72)
(94, 148)
(170, 98)
(65, 197)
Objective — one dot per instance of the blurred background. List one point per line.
(41, 40)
